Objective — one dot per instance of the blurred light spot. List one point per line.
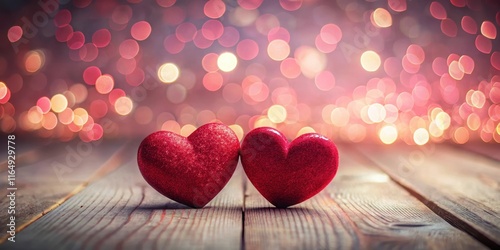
(49, 121)
(91, 74)
(278, 50)
(173, 45)
(98, 108)
(278, 33)
(44, 104)
(291, 5)
(209, 62)
(66, 116)
(243, 17)
(172, 126)
(449, 27)
(128, 49)
(370, 61)
(376, 112)
(388, 134)
(477, 99)
(115, 94)
(290, 68)
(250, 4)
(473, 121)
(76, 41)
(176, 93)
(437, 11)
(121, 14)
(340, 117)
(213, 81)
(305, 130)
(469, 25)
(214, 8)
(201, 41)
(187, 129)
(165, 3)
(63, 34)
(455, 71)
(415, 54)
(381, 18)
(62, 18)
(80, 116)
(35, 115)
(126, 66)
(483, 44)
(266, 22)
(421, 136)
(461, 135)
(79, 91)
(3, 90)
(34, 60)
(88, 52)
(212, 29)
(238, 130)
(141, 30)
(247, 49)
(227, 61)
(123, 105)
(495, 60)
(168, 73)
(277, 113)
(397, 5)
(101, 38)
(14, 34)
(324, 80)
(58, 103)
(323, 46)
(466, 64)
(331, 33)
(229, 37)
(443, 120)
(489, 30)
(104, 84)
(185, 32)
(311, 61)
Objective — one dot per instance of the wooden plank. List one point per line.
(122, 211)
(462, 188)
(491, 150)
(44, 185)
(29, 152)
(361, 209)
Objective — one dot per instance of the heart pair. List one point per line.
(193, 170)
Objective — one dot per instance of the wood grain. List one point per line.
(361, 209)
(463, 188)
(47, 183)
(123, 211)
(491, 150)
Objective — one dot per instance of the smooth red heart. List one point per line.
(288, 173)
(191, 170)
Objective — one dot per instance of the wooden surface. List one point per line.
(383, 197)
(461, 187)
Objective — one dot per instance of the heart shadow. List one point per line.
(164, 206)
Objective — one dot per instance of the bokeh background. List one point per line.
(358, 71)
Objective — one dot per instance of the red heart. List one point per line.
(191, 170)
(288, 173)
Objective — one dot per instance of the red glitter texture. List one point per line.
(191, 170)
(288, 173)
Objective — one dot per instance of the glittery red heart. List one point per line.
(191, 170)
(288, 173)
